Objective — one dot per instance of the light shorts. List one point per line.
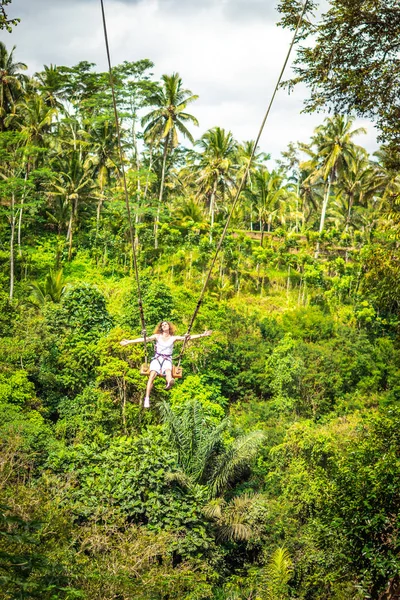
(160, 365)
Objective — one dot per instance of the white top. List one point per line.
(165, 347)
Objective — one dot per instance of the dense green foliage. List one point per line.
(272, 469)
(353, 62)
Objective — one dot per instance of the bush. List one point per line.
(194, 387)
(85, 309)
(15, 388)
(309, 324)
(158, 305)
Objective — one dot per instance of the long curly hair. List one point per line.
(172, 328)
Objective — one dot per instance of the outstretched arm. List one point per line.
(151, 338)
(181, 338)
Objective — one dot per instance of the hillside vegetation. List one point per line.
(271, 470)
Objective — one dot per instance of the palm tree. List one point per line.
(50, 85)
(202, 455)
(72, 183)
(33, 118)
(190, 214)
(244, 154)
(244, 158)
(11, 82)
(52, 289)
(267, 193)
(231, 518)
(356, 185)
(334, 148)
(103, 158)
(215, 166)
(165, 121)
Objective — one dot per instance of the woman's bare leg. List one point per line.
(169, 378)
(149, 387)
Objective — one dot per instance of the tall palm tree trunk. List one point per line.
(74, 211)
(98, 212)
(21, 210)
(137, 160)
(12, 238)
(348, 217)
(69, 227)
(323, 212)
(212, 206)
(325, 204)
(146, 189)
(160, 195)
(99, 207)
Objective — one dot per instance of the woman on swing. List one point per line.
(161, 363)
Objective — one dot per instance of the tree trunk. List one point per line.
(351, 200)
(237, 275)
(325, 205)
(74, 212)
(323, 213)
(146, 189)
(70, 238)
(212, 206)
(20, 214)
(73, 136)
(98, 210)
(69, 227)
(138, 188)
(20, 227)
(160, 196)
(12, 237)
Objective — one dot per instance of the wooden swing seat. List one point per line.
(176, 371)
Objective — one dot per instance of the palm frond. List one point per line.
(277, 574)
(180, 478)
(233, 461)
(213, 509)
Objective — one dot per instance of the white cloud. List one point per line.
(228, 52)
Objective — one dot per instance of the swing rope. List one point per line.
(128, 209)
(242, 184)
(236, 198)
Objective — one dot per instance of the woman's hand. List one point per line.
(208, 332)
(124, 342)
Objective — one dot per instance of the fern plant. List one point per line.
(203, 457)
(276, 575)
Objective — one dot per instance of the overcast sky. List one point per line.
(229, 52)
